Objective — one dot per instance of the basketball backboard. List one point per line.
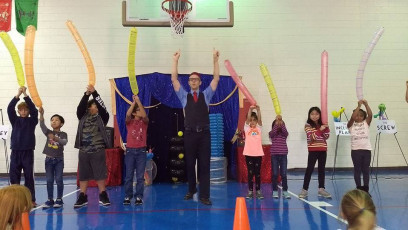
(205, 13)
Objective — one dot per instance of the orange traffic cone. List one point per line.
(241, 221)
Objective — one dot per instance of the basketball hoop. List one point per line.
(178, 11)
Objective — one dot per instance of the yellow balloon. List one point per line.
(84, 51)
(180, 133)
(15, 57)
(181, 156)
(131, 61)
(28, 65)
(271, 88)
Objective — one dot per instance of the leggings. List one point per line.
(361, 161)
(254, 169)
(314, 156)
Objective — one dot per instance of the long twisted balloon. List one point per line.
(271, 88)
(363, 63)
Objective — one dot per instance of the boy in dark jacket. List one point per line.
(22, 140)
(91, 140)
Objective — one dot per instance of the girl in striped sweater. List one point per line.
(279, 154)
(317, 133)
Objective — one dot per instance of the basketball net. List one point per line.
(178, 11)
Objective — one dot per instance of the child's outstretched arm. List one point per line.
(249, 115)
(82, 106)
(130, 110)
(11, 108)
(143, 114)
(369, 112)
(43, 127)
(174, 71)
(31, 106)
(258, 110)
(216, 72)
(354, 115)
(284, 131)
(100, 104)
(20, 91)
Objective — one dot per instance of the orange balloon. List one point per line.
(28, 65)
(85, 53)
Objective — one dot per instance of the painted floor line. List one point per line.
(41, 206)
(325, 211)
(317, 207)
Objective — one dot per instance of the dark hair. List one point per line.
(312, 123)
(134, 111)
(274, 121)
(195, 73)
(135, 108)
(90, 102)
(253, 114)
(364, 113)
(59, 117)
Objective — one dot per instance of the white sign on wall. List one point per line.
(4, 129)
(386, 126)
(341, 129)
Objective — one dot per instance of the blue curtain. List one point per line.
(159, 86)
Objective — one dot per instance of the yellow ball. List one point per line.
(180, 133)
(175, 179)
(181, 156)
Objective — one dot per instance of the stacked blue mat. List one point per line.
(217, 135)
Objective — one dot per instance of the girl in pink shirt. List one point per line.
(359, 126)
(253, 150)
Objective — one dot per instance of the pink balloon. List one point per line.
(239, 83)
(363, 63)
(323, 86)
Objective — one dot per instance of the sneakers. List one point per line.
(323, 193)
(303, 194)
(259, 194)
(58, 203)
(205, 201)
(250, 195)
(104, 199)
(286, 195)
(275, 194)
(81, 201)
(49, 203)
(138, 201)
(126, 201)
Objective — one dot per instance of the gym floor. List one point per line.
(164, 207)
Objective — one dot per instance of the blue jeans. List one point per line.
(54, 168)
(279, 162)
(135, 159)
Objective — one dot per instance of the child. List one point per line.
(135, 158)
(358, 209)
(92, 140)
(14, 201)
(317, 133)
(359, 126)
(253, 150)
(23, 140)
(279, 154)
(54, 157)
